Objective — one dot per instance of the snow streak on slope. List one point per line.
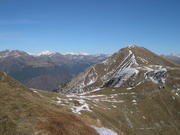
(159, 76)
(92, 76)
(127, 62)
(125, 75)
(104, 131)
(82, 107)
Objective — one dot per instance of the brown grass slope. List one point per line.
(24, 112)
(145, 109)
(152, 58)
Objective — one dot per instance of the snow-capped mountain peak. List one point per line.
(46, 52)
(12, 53)
(131, 46)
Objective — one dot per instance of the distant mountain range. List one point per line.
(46, 70)
(175, 57)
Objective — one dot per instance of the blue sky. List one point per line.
(92, 26)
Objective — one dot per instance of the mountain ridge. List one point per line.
(133, 92)
(98, 75)
(175, 57)
(45, 71)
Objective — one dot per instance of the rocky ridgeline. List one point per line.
(128, 67)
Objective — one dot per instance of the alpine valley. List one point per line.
(46, 70)
(133, 92)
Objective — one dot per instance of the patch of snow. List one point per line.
(83, 96)
(82, 107)
(92, 76)
(113, 95)
(104, 131)
(129, 88)
(5, 74)
(134, 101)
(47, 52)
(112, 101)
(89, 91)
(129, 71)
(35, 91)
(96, 105)
(149, 128)
(125, 75)
(158, 76)
(63, 105)
(131, 46)
(92, 96)
(177, 55)
(132, 93)
(97, 89)
(143, 60)
(139, 83)
(71, 95)
(96, 100)
(105, 62)
(128, 120)
(91, 82)
(98, 120)
(133, 59)
(58, 100)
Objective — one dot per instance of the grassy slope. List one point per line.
(154, 111)
(23, 111)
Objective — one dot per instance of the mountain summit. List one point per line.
(128, 67)
(135, 91)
